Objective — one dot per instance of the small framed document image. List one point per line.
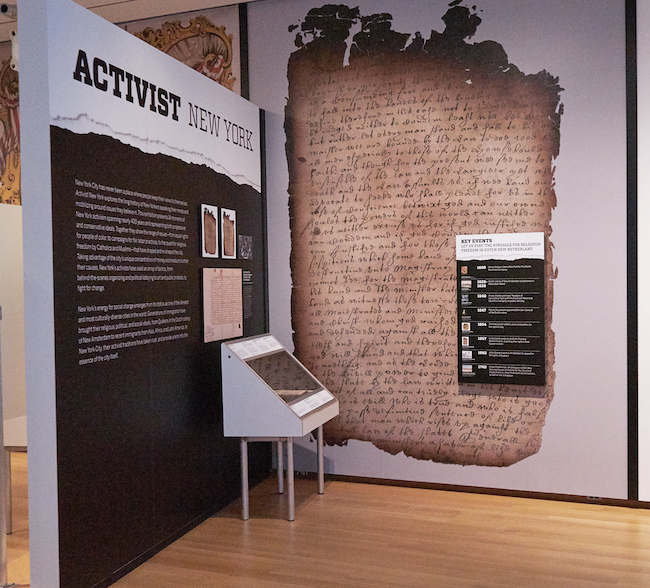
(209, 232)
(228, 233)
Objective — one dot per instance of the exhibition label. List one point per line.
(501, 336)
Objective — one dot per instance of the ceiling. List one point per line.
(126, 10)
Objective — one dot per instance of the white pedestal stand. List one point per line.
(290, 476)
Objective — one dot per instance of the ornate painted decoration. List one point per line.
(202, 45)
(9, 136)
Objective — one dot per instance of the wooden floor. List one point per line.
(358, 535)
(18, 541)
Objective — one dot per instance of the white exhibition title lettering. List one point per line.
(135, 90)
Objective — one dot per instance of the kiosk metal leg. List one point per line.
(244, 479)
(280, 468)
(290, 485)
(321, 473)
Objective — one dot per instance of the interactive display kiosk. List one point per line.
(268, 395)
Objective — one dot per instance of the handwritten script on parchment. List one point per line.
(390, 157)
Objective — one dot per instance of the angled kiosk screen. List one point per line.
(284, 375)
(268, 392)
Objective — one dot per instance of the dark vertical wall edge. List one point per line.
(243, 51)
(632, 285)
(264, 217)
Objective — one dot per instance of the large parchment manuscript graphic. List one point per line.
(390, 157)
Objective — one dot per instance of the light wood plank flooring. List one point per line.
(358, 535)
(18, 541)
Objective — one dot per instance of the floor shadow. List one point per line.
(266, 503)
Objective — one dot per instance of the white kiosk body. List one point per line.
(268, 395)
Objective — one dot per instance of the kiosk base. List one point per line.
(290, 485)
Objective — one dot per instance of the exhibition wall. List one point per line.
(145, 242)
(583, 448)
(218, 33)
(584, 429)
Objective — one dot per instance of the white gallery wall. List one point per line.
(12, 328)
(584, 445)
